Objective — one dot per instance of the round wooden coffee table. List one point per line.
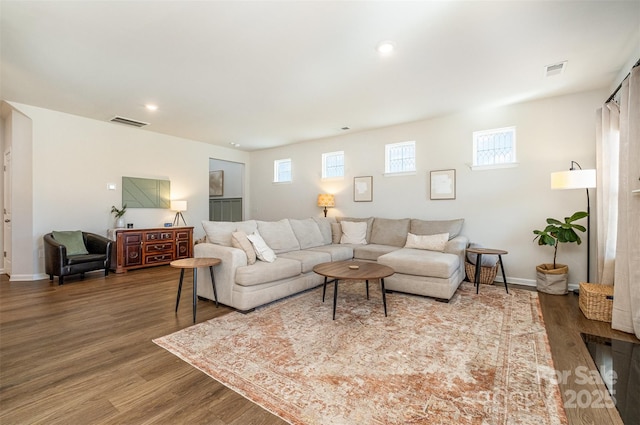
(353, 270)
(194, 263)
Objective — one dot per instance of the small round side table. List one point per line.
(488, 251)
(194, 263)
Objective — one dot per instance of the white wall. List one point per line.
(74, 159)
(501, 207)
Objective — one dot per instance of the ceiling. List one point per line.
(269, 73)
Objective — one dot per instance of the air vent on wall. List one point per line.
(128, 121)
(555, 69)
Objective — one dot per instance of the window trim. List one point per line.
(387, 149)
(277, 162)
(324, 165)
(474, 153)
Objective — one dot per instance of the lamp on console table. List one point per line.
(178, 207)
(578, 179)
(326, 200)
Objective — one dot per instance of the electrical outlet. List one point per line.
(41, 253)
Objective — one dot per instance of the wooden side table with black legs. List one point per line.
(488, 251)
(194, 263)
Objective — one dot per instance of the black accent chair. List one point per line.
(58, 263)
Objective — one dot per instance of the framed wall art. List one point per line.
(443, 184)
(363, 189)
(216, 183)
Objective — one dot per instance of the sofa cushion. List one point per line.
(263, 251)
(72, 240)
(432, 227)
(324, 224)
(240, 240)
(337, 252)
(307, 232)
(278, 235)
(307, 258)
(261, 272)
(353, 232)
(420, 262)
(219, 232)
(431, 242)
(368, 220)
(385, 231)
(371, 252)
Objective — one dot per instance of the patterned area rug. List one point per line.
(480, 359)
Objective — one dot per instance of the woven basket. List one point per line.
(596, 301)
(487, 274)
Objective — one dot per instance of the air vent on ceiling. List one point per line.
(128, 121)
(555, 69)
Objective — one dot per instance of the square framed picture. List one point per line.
(216, 183)
(363, 189)
(443, 184)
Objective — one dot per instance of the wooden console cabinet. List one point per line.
(137, 248)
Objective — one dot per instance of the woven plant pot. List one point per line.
(552, 280)
(487, 274)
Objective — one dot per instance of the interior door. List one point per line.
(7, 212)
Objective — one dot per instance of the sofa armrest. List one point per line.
(457, 245)
(224, 273)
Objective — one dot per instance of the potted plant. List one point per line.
(119, 213)
(552, 278)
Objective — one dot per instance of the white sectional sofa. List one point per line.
(300, 244)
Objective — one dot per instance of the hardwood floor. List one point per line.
(81, 353)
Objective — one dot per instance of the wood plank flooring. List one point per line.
(81, 353)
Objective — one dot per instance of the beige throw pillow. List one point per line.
(430, 242)
(354, 232)
(240, 240)
(336, 232)
(263, 252)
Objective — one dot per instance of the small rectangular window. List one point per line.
(400, 157)
(494, 147)
(282, 170)
(333, 164)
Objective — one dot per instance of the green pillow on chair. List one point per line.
(73, 240)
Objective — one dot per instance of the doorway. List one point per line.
(226, 190)
(7, 212)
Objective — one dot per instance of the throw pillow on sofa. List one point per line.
(354, 232)
(263, 252)
(240, 240)
(429, 242)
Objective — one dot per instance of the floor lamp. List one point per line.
(578, 179)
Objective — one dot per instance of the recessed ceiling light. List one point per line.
(151, 107)
(385, 47)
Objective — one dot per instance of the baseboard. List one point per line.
(531, 282)
(27, 277)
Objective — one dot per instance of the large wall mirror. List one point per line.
(146, 193)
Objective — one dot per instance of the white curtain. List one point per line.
(607, 170)
(626, 297)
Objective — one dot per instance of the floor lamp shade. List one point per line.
(573, 179)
